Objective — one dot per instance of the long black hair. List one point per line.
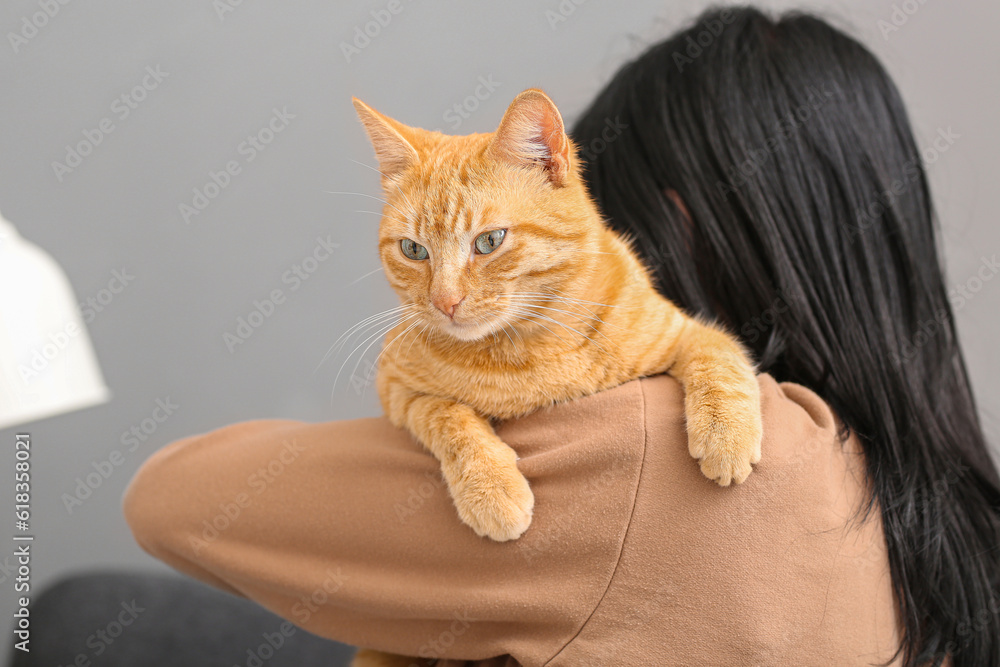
(768, 172)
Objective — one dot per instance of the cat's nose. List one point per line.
(447, 303)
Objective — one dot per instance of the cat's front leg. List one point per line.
(721, 402)
(490, 493)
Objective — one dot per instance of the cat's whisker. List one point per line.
(364, 331)
(396, 338)
(516, 332)
(357, 280)
(367, 166)
(375, 169)
(382, 173)
(536, 301)
(554, 333)
(558, 294)
(380, 331)
(532, 300)
(374, 339)
(541, 298)
(491, 331)
(390, 343)
(566, 298)
(496, 337)
(361, 325)
(383, 329)
(528, 314)
(360, 330)
(377, 336)
(385, 216)
(408, 347)
(577, 331)
(362, 194)
(504, 330)
(571, 303)
(582, 319)
(566, 326)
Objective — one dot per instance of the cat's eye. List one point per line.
(487, 242)
(412, 249)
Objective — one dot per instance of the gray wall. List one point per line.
(162, 337)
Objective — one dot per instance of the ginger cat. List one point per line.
(516, 296)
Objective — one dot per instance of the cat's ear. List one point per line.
(390, 139)
(531, 134)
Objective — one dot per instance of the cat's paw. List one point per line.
(724, 434)
(491, 495)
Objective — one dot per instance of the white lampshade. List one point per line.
(47, 363)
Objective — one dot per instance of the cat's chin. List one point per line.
(466, 332)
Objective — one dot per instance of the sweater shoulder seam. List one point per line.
(624, 539)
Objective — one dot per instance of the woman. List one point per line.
(771, 178)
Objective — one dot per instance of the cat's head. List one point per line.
(478, 229)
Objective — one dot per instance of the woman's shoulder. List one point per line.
(792, 411)
(781, 569)
(800, 428)
(808, 460)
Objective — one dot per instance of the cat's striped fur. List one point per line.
(560, 309)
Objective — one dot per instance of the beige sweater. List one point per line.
(633, 558)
